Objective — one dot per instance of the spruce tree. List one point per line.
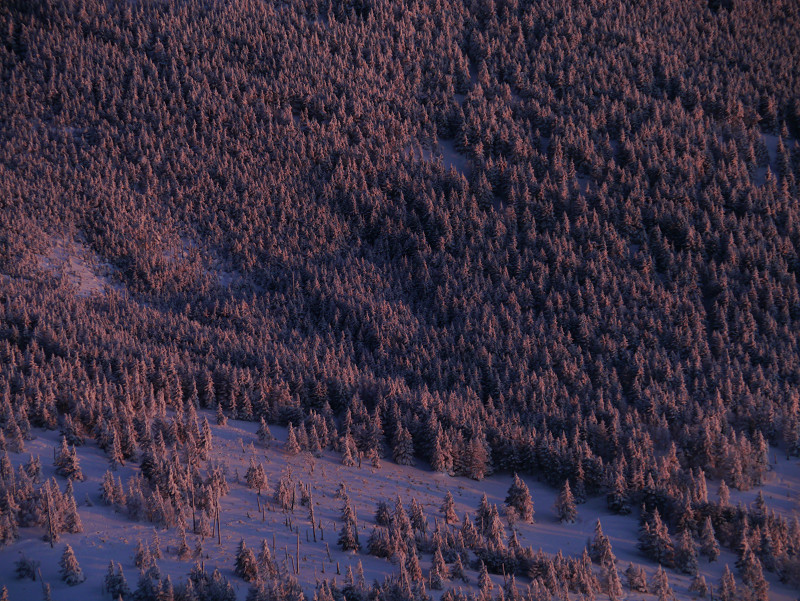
(263, 433)
(292, 446)
(469, 533)
(383, 515)
(600, 546)
(440, 459)
(379, 543)
(708, 542)
(457, 571)
(655, 541)
(71, 572)
(418, 521)
(246, 566)
(142, 557)
(448, 508)
(403, 450)
(637, 579)
(72, 520)
(439, 572)
(266, 565)
(495, 533)
(685, 554)
(483, 515)
(610, 578)
(115, 456)
(67, 463)
(661, 586)
(699, 586)
(220, 416)
(348, 540)
(617, 497)
(565, 505)
(727, 586)
(412, 565)
(485, 584)
(115, 583)
(184, 552)
(348, 535)
(724, 494)
(519, 498)
(752, 575)
(255, 477)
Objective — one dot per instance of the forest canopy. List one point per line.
(548, 237)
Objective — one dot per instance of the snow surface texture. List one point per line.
(109, 535)
(83, 269)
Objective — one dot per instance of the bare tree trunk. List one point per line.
(219, 527)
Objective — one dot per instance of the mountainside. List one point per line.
(556, 238)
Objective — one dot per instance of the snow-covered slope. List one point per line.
(109, 535)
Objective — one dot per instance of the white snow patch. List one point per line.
(84, 270)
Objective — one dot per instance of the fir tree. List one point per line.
(292, 446)
(115, 456)
(115, 583)
(403, 450)
(383, 515)
(418, 521)
(610, 578)
(708, 542)
(495, 533)
(412, 565)
(71, 572)
(379, 543)
(655, 541)
(617, 498)
(142, 557)
(266, 565)
(469, 533)
(72, 520)
(661, 586)
(637, 579)
(246, 566)
(724, 494)
(519, 498)
(727, 586)
(263, 433)
(600, 546)
(220, 417)
(685, 554)
(457, 571)
(255, 477)
(752, 575)
(485, 584)
(348, 535)
(448, 508)
(699, 586)
(184, 552)
(439, 572)
(26, 568)
(67, 463)
(348, 540)
(565, 505)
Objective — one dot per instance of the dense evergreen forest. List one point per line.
(557, 238)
